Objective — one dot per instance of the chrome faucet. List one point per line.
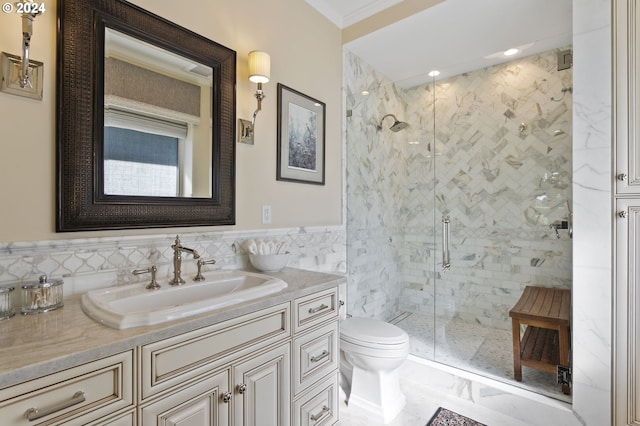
(178, 249)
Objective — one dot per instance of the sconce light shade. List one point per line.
(259, 66)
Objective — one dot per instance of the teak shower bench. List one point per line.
(545, 343)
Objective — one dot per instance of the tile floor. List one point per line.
(422, 403)
(475, 348)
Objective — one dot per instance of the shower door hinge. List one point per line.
(564, 375)
(565, 59)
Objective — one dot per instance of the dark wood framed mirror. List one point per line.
(140, 146)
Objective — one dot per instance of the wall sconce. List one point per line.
(21, 76)
(259, 72)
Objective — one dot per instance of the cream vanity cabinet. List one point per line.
(277, 366)
(234, 372)
(626, 333)
(247, 370)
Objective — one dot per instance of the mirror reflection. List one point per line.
(157, 121)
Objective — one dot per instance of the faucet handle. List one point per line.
(199, 276)
(153, 285)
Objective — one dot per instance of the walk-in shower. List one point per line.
(444, 245)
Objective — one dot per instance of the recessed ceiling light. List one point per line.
(510, 52)
(365, 93)
(434, 73)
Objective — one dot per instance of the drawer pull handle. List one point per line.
(242, 388)
(325, 411)
(34, 414)
(318, 308)
(324, 354)
(226, 397)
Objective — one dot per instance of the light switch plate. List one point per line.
(266, 214)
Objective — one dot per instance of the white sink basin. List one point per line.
(132, 305)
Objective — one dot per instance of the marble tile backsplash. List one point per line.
(86, 264)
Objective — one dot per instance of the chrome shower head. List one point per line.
(396, 126)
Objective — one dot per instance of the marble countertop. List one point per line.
(36, 345)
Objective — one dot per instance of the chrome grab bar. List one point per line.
(446, 259)
(34, 414)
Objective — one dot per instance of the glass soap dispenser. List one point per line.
(40, 296)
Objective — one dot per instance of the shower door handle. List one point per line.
(446, 259)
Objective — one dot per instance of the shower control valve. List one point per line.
(560, 224)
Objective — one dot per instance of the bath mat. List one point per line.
(444, 417)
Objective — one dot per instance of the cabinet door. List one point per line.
(627, 301)
(200, 404)
(262, 389)
(627, 97)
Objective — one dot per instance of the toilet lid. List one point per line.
(372, 331)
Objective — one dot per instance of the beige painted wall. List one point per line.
(306, 54)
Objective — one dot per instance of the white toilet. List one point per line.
(371, 352)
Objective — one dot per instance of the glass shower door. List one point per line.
(502, 150)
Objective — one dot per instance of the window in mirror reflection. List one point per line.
(157, 115)
(144, 156)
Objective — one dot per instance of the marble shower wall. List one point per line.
(375, 182)
(500, 164)
(502, 169)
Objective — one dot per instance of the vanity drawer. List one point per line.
(80, 394)
(315, 355)
(122, 419)
(315, 308)
(173, 361)
(319, 406)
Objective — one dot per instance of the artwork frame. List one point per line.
(301, 137)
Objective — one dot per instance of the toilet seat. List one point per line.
(390, 351)
(366, 333)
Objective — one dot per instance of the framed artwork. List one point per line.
(301, 141)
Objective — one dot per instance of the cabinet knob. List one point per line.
(622, 214)
(622, 177)
(226, 397)
(242, 388)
